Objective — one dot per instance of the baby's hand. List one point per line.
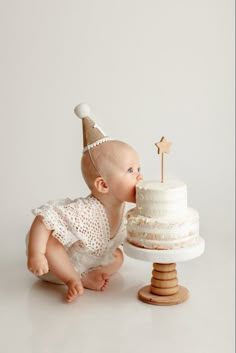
(38, 264)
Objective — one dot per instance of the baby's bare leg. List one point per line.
(38, 238)
(98, 279)
(60, 265)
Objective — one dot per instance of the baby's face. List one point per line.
(123, 173)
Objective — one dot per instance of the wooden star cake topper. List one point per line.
(163, 147)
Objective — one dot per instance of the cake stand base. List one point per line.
(146, 296)
(164, 288)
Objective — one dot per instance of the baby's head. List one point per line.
(108, 166)
(112, 167)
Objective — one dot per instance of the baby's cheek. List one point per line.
(133, 194)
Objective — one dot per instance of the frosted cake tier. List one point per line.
(161, 219)
(156, 199)
(157, 233)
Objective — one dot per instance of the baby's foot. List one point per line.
(75, 288)
(95, 280)
(38, 264)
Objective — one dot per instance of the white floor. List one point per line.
(36, 319)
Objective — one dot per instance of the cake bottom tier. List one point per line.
(162, 234)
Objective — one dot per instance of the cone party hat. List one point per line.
(92, 133)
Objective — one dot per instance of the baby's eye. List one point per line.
(139, 170)
(130, 170)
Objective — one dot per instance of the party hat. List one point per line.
(92, 133)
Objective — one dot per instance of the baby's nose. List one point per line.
(139, 177)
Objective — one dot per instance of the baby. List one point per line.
(78, 241)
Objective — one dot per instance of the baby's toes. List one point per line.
(69, 298)
(73, 291)
(105, 285)
(106, 279)
(70, 295)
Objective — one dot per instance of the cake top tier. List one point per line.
(156, 199)
(168, 185)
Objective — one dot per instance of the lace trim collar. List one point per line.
(119, 228)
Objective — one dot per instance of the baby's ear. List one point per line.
(101, 185)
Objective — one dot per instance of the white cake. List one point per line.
(161, 218)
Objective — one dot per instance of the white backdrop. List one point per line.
(147, 68)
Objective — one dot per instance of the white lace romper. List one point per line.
(82, 226)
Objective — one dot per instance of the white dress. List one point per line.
(82, 226)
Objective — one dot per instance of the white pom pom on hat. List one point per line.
(92, 134)
(82, 110)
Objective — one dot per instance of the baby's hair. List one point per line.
(89, 172)
(95, 162)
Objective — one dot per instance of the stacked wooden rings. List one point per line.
(164, 279)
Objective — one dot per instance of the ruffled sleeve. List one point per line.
(82, 221)
(59, 217)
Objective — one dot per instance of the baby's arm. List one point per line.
(38, 238)
(44, 251)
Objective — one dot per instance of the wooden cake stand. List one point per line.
(164, 288)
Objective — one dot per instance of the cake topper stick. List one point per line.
(163, 147)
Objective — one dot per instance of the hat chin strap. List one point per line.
(93, 162)
(96, 143)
